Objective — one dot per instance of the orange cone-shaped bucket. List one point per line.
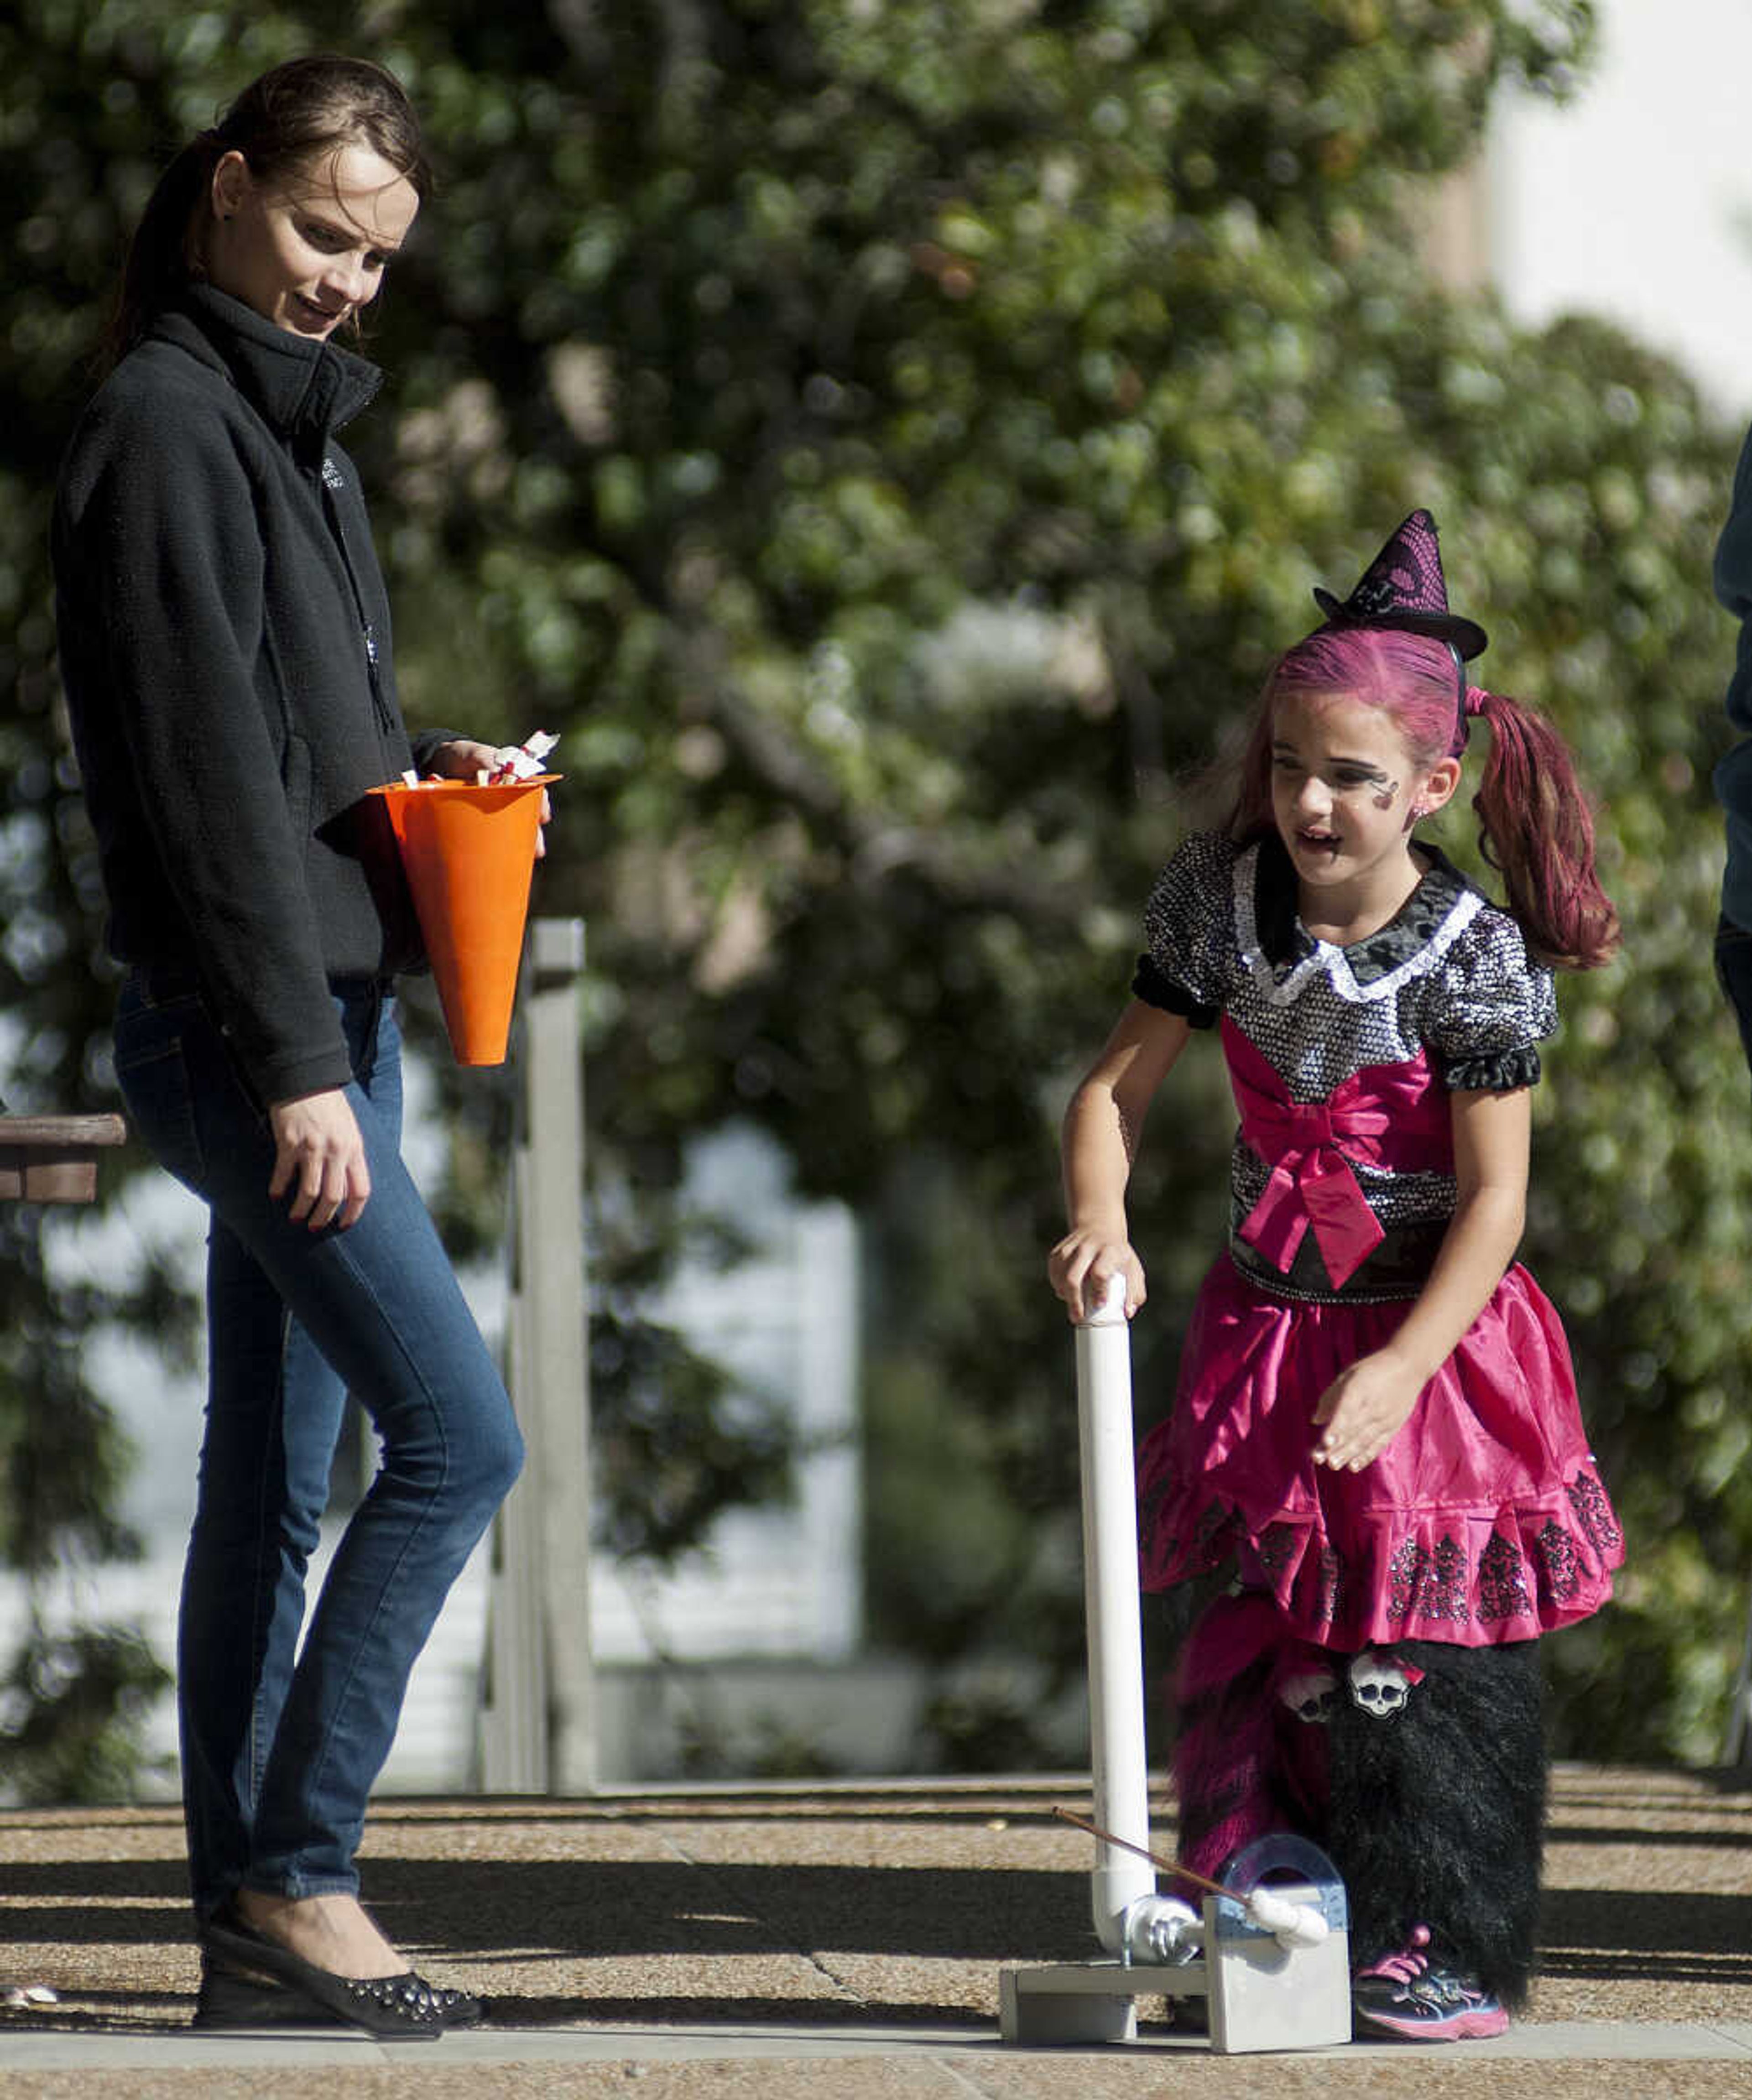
(468, 852)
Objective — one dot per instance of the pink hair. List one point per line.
(1534, 824)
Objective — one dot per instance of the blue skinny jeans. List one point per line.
(280, 1744)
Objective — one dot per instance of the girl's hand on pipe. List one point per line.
(1083, 1265)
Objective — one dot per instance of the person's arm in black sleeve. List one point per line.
(176, 559)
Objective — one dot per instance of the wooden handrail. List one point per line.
(53, 1159)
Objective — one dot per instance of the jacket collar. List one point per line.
(303, 388)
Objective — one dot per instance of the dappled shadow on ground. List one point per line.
(1649, 1936)
(805, 1896)
(585, 1909)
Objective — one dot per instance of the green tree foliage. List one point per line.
(72, 1705)
(890, 439)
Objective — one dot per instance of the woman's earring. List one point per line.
(1420, 811)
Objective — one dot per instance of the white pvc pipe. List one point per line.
(1115, 1631)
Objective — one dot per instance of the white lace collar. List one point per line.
(1410, 945)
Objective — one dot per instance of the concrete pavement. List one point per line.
(838, 1940)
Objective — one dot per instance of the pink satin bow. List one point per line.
(1309, 1147)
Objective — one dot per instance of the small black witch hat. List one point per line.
(1403, 588)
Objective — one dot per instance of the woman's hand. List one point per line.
(1084, 1263)
(462, 758)
(320, 1155)
(1363, 1409)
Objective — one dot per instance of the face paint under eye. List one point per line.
(1385, 791)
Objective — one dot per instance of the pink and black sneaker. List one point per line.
(1404, 1995)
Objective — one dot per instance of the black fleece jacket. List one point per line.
(225, 649)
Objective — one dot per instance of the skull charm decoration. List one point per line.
(1310, 1695)
(1380, 1685)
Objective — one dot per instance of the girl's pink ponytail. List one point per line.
(1537, 833)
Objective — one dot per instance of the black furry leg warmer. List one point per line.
(1437, 1806)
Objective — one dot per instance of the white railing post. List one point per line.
(540, 1736)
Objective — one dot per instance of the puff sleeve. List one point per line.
(1490, 1005)
(1190, 926)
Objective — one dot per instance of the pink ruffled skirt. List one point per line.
(1483, 1521)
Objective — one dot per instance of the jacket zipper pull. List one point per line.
(370, 665)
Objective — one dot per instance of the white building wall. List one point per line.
(1634, 201)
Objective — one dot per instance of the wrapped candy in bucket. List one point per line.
(468, 849)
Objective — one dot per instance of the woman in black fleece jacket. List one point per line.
(225, 647)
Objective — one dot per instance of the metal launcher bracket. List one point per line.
(1258, 1995)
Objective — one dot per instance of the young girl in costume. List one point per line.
(1376, 1420)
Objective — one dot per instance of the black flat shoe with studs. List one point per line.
(251, 1976)
(456, 2008)
(231, 2000)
